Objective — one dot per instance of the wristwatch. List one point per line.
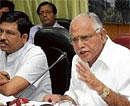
(105, 92)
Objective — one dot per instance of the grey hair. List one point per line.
(96, 20)
(97, 24)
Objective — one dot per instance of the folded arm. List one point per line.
(14, 86)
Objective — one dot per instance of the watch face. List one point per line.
(106, 92)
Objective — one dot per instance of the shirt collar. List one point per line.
(40, 26)
(55, 24)
(19, 52)
(107, 54)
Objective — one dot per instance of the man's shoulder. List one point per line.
(33, 49)
(38, 26)
(57, 25)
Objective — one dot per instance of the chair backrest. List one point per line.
(54, 41)
(64, 22)
(123, 39)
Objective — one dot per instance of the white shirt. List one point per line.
(112, 68)
(35, 28)
(29, 62)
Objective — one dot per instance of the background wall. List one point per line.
(66, 8)
(115, 30)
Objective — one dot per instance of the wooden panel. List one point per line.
(115, 29)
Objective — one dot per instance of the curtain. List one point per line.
(65, 8)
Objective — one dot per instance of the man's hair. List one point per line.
(6, 3)
(47, 3)
(22, 20)
(96, 20)
(97, 24)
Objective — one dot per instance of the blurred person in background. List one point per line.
(6, 6)
(47, 14)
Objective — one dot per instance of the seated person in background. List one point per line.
(6, 6)
(100, 68)
(24, 62)
(47, 14)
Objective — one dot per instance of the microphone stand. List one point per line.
(62, 56)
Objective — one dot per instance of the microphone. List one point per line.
(61, 57)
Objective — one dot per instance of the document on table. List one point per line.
(4, 99)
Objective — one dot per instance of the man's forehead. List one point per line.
(82, 24)
(82, 20)
(9, 25)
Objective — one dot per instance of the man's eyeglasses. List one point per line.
(84, 38)
(8, 33)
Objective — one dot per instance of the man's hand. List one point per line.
(54, 98)
(3, 81)
(4, 77)
(88, 77)
(113, 99)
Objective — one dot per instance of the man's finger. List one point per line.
(3, 81)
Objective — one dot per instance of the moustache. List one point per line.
(3, 42)
(82, 50)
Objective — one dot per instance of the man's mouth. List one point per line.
(3, 44)
(82, 52)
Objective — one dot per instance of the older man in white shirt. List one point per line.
(100, 68)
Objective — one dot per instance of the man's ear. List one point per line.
(103, 34)
(25, 37)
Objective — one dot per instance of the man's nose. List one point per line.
(80, 43)
(3, 35)
(44, 14)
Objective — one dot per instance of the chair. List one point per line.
(64, 22)
(54, 41)
(123, 39)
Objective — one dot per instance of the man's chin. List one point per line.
(4, 49)
(47, 24)
(84, 58)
